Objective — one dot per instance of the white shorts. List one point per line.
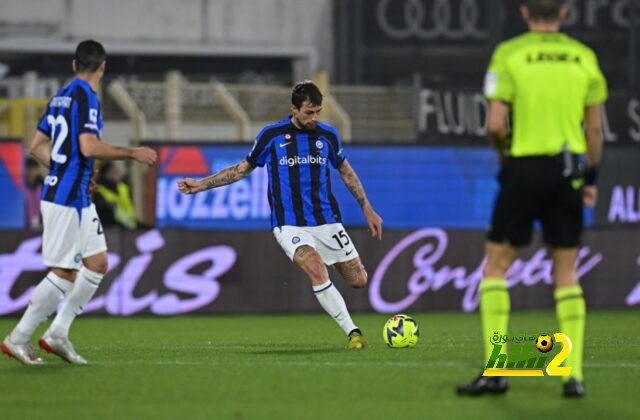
(330, 241)
(66, 238)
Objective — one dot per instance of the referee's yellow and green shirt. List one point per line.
(547, 79)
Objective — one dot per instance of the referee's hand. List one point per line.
(589, 195)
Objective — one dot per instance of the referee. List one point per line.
(550, 85)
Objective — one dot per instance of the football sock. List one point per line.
(571, 313)
(332, 302)
(494, 310)
(43, 302)
(83, 290)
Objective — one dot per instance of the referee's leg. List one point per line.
(571, 313)
(494, 312)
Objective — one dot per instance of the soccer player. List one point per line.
(305, 217)
(551, 84)
(73, 243)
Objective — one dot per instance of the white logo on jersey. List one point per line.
(303, 160)
(490, 83)
(51, 180)
(60, 102)
(93, 115)
(285, 144)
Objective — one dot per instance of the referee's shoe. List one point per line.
(485, 385)
(574, 389)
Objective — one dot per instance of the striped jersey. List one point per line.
(298, 163)
(74, 110)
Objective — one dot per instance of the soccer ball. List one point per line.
(400, 331)
(544, 343)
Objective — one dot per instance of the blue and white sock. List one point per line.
(332, 302)
(44, 300)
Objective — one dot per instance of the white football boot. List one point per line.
(61, 347)
(21, 352)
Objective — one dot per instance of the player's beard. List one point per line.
(308, 126)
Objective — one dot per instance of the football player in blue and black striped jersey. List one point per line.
(67, 141)
(299, 153)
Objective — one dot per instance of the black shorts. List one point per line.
(535, 188)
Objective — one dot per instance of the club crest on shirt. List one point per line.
(295, 239)
(287, 136)
(319, 144)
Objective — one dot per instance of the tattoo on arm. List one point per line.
(353, 183)
(228, 175)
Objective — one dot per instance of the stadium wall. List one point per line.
(170, 272)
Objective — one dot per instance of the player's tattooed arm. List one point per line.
(353, 183)
(224, 177)
(351, 180)
(228, 175)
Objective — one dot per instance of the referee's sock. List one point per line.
(44, 300)
(333, 302)
(85, 286)
(494, 310)
(571, 313)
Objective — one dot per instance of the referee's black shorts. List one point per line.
(535, 188)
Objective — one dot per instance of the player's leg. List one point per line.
(328, 296)
(59, 251)
(336, 249)
(352, 272)
(43, 302)
(56, 339)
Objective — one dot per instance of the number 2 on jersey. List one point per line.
(58, 139)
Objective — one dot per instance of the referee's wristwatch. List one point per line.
(590, 175)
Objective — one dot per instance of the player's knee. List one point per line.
(317, 271)
(496, 268)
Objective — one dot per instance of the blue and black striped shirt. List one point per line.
(298, 167)
(73, 111)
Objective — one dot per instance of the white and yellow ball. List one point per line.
(401, 331)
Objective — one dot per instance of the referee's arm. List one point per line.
(593, 133)
(497, 128)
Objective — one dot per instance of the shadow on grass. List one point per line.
(52, 368)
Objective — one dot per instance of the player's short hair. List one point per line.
(544, 10)
(306, 91)
(89, 56)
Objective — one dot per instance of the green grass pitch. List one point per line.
(294, 367)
